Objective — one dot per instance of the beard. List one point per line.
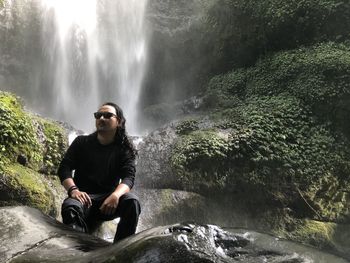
(102, 126)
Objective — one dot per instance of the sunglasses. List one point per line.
(106, 115)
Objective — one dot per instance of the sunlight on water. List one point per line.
(92, 52)
(81, 13)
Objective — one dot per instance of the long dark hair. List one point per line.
(121, 136)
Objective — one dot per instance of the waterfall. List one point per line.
(91, 51)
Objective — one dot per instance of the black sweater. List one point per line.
(98, 168)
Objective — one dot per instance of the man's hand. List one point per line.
(110, 205)
(82, 197)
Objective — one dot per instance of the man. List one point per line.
(104, 173)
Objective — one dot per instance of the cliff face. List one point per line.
(270, 141)
(192, 41)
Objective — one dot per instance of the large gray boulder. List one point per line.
(27, 235)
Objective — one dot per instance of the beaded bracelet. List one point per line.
(71, 189)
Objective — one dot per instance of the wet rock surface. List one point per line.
(27, 235)
(153, 170)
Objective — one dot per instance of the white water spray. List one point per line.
(92, 51)
(97, 53)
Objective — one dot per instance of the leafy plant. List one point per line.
(54, 146)
(186, 126)
(242, 31)
(270, 143)
(17, 133)
(318, 75)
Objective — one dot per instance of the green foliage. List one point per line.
(226, 90)
(17, 133)
(197, 156)
(22, 185)
(41, 142)
(186, 126)
(317, 233)
(54, 146)
(244, 30)
(199, 146)
(284, 141)
(318, 75)
(273, 144)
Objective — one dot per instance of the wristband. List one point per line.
(71, 189)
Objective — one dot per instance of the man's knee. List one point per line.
(73, 214)
(71, 208)
(130, 202)
(71, 202)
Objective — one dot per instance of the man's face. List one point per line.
(103, 123)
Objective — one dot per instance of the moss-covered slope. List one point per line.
(277, 140)
(30, 150)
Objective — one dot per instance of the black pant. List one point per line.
(84, 219)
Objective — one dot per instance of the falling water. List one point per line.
(91, 51)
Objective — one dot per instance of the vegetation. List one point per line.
(18, 135)
(26, 187)
(30, 146)
(280, 131)
(186, 126)
(54, 144)
(219, 36)
(197, 158)
(319, 76)
(272, 143)
(245, 30)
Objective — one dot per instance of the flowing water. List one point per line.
(86, 52)
(267, 242)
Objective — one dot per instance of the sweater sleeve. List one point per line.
(128, 170)
(69, 161)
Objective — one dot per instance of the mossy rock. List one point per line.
(17, 133)
(164, 206)
(41, 142)
(274, 147)
(282, 134)
(31, 148)
(288, 131)
(318, 76)
(329, 236)
(25, 186)
(54, 144)
(317, 233)
(196, 157)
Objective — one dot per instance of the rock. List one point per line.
(162, 207)
(22, 159)
(27, 235)
(168, 206)
(31, 148)
(21, 185)
(172, 200)
(153, 170)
